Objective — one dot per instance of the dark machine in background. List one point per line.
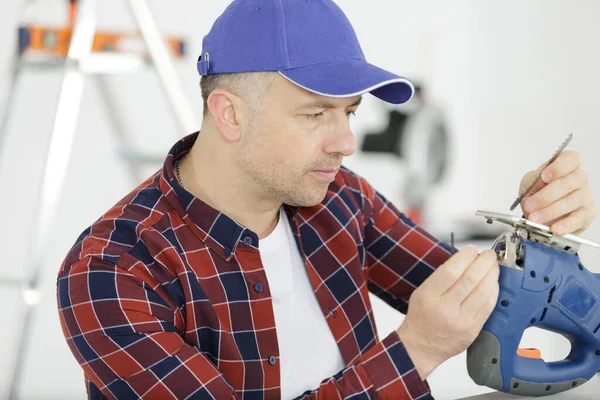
(418, 135)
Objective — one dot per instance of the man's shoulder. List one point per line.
(351, 181)
(348, 179)
(351, 189)
(121, 227)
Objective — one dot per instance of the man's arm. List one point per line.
(125, 337)
(385, 371)
(451, 297)
(400, 254)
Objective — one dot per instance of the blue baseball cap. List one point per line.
(309, 42)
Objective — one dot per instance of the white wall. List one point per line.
(515, 77)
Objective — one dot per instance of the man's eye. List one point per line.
(349, 113)
(314, 117)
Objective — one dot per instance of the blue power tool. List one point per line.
(543, 284)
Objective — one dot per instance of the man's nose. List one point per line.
(341, 141)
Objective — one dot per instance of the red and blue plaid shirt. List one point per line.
(165, 297)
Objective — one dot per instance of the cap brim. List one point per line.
(350, 78)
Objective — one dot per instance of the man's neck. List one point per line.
(212, 178)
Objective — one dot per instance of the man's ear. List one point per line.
(225, 110)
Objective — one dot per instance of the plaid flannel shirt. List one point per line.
(165, 297)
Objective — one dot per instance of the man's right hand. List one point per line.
(448, 310)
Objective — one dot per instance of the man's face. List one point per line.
(295, 141)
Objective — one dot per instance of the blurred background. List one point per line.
(503, 84)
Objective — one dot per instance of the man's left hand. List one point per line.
(562, 198)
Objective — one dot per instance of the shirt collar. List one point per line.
(214, 228)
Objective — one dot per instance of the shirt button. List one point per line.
(331, 312)
(227, 252)
(247, 240)
(258, 287)
(272, 360)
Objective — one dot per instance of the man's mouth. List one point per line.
(326, 174)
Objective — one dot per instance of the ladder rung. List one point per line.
(11, 282)
(56, 41)
(95, 64)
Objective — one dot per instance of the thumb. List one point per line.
(528, 179)
(449, 272)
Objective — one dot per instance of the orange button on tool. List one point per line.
(529, 352)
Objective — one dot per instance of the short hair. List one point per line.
(248, 85)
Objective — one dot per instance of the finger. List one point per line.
(528, 179)
(561, 208)
(565, 163)
(525, 182)
(556, 190)
(480, 295)
(587, 202)
(578, 220)
(590, 218)
(447, 273)
(471, 278)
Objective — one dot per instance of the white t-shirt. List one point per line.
(308, 351)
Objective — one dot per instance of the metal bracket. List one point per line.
(539, 233)
(508, 248)
(508, 245)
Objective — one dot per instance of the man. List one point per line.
(242, 269)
